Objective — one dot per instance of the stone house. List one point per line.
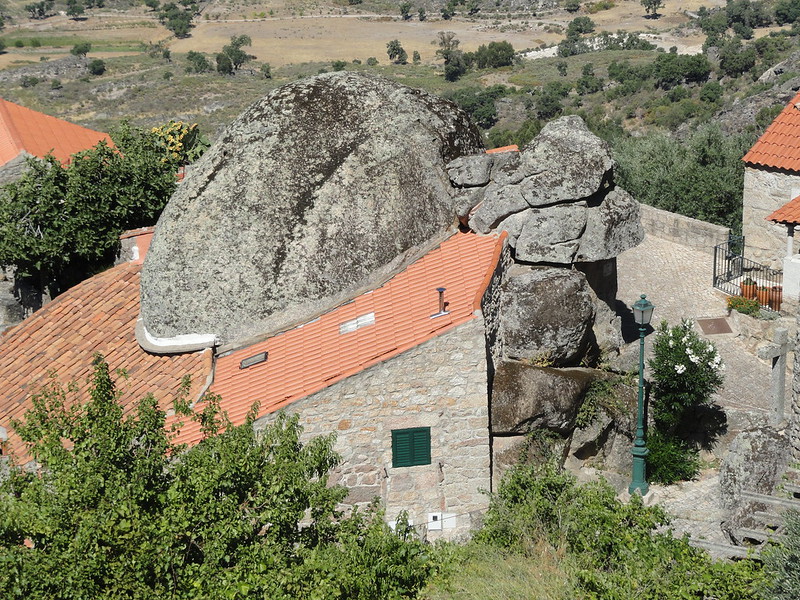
(771, 179)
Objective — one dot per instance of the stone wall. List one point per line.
(765, 191)
(441, 384)
(686, 231)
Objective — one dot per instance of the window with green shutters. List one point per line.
(411, 447)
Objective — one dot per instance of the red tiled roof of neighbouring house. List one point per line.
(371, 328)
(26, 130)
(511, 148)
(97, 315)
(788, 214)
(779, 146)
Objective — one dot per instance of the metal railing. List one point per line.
(738, 276)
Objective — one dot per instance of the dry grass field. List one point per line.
(301, 32)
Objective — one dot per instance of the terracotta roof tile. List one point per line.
(779, 146)
(26, 130)
(310, 357)
(64, 334)
(789, 213)
(511, 148)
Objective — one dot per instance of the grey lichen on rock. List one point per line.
(308, 195)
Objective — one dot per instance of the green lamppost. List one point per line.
(642, 313)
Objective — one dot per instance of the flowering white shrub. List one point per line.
(686, 371)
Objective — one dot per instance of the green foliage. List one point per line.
(736, 59)
(596, 7)
(588, 83)
(611, 549)
(224, 64)
(266, 70)
(651, 7)
(58, 224)
(686, 371)
(572, 6)
(599, 396)
(670, 459)
(701, 177)
(97, 66)
(177, 19)
(338, 65)
(580, 25)
(422, 14)
(233, 51)
(480, 104)
(117, 511)
(40, 10)
(198, 63)
(746, 306)
(405, 10)
(29, 81)
(528, 130)
(548, 101)
(75, 9)
(494, 55)
(787, 11)
(372, 61)
(782, 563)
(81, 49)
(396, 53)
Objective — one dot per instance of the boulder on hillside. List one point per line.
(307, 197)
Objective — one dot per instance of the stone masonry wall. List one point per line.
(441, 384)
(764, 192)
(686, 231)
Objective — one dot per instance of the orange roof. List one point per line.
(26, 130)
(371, 328)
(97, 315)
(511, 148)
(788, 214)
(779, 146)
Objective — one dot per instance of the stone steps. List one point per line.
(758, 537)
(723, 550)
(783, 503)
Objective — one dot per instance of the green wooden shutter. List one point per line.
(411, 447)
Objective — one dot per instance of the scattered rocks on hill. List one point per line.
(308, 195)
(69, 67)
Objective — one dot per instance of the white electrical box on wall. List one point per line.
(449, 520)
(434, 521)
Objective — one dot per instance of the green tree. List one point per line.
(152, 4)
(415, 57)
(735, 59)
(405, 10)
(178, 20)
(572, 6)
(234, 51)
(224, 64)
(787, 11)
(75, 9)
(81, 49)
(588, 82)
(651, 7)
(40, 10)
(396, 52)
(422, 13)
(198, 63)
(266, 70)
(494, 55)
(59, 224)
(118, 511)
(97, 66)
(580, 25)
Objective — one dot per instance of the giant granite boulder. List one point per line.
(312, 193)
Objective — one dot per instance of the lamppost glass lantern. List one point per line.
(642, 314)
(643, 311)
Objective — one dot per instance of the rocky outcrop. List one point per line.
(547, 316)
(555, 198)
(754, 462)
(527, 397)
(309, 194)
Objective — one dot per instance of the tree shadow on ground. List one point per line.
(703, 426)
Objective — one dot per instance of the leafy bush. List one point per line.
(686, 371)
(118, 511)
(670, 459)
(611, 549)
(596, 7)
(747, 306)
(782, 563)
(97, 66)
